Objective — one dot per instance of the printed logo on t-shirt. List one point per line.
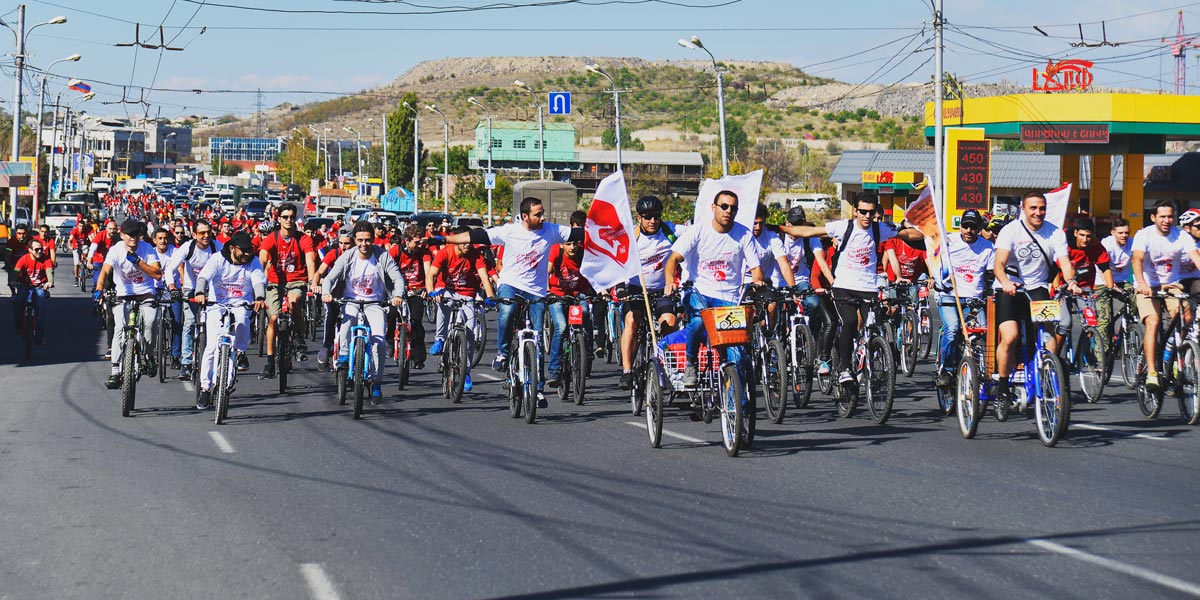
(718, 267)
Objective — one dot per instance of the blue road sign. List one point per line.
(560, 103)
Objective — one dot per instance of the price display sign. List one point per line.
(973, 177)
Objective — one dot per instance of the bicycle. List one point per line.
(1177, 354)
(975, 337)
(871, 366)
(402, 342)
(769, 359)
(314, 306)
(908, 332)
(454, 355)
(799, 352)
(480, 332)
(226, 366)
(614, 327)
(361, 364)
(86, 273)
(643, 354)
(577, 354)
(1126, 342)
(1085, 357)
(29, 319)
(258, 331)
(1039, 376)
(285, 342)
(164, 327)
(524, 362)
(924, 324)
(131, 354)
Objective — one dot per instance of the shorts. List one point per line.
(1153, 306)
(1016, 307)
(660, 306)
(275, 299)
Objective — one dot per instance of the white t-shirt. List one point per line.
(793, 249)
(164, 258)
(527, 254)
(720, 258)
(194, 264)
(1032, 269)
(128, 278)
(654, 251)
(857, 267)
(971, 262)
(228, 282)
(1162, 263)
(363, 279)
(769, 247)
(1119, 259)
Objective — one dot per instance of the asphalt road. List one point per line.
(425, 499)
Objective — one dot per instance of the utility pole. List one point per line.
(939, 125)
(16, 116)
(416, 152)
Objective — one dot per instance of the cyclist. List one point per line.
(231, 273)
(1189, 222)
(1158, 253)
(49, 243)
(161, 239)
(802, 254)
(1120, 255)
(654, 238)
(720, 251)
(525, 272)
(80, 238)
(333, 314)
(366, 273)
(973, 259)
(186, 263)
(414, 260)
(1092, 267)
(34, 270)
(16, 247)
(101, 243)
(1026, 251)
(133, 266)
(855, 272)
(461, 272)
(289, 259)
(565, 280)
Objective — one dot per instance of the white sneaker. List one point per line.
(322, 356)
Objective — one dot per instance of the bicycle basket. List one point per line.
(727, 325)
(1044, 311)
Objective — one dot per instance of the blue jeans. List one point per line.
(558, 316)
(176, 330)
(693, 303)
(40, 296)
(187, 345)
(509, 311)
(951, 332)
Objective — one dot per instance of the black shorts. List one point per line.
(1016, 307)
(660, 306)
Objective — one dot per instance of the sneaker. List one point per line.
(107, 355)
(554, 380)
(436, 348)
(1152, 383)
(301, 346)
(243, 363)
(376, 391)
(185, 373)
(175, 365)
(601, 352)
(541, 400)
(500, 363)
(691, 376)
(467, 383)
(418, 366)
(824, 367)
(944, 378)
(343, 362)
(148, 366)
(627, 380)
(268, 371)
(204, 401)
(322, 356)
(845, 377)
(114, 381)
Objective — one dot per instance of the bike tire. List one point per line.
(775, 381)
(358, 363)
(260, 325)
(1149, 402)
(283, 356)
(636, 397)
(731, 409)
(1052, 401)
(845, 399)
(880, 378)
(221, 386)
(458, 365)
(516, 395)
(654, 405)
(1189, 383)
(163, 347)
(129, 375)
(966, 397)
(481, 338)
(1091, 367)
(1131, 349)
(908, 343)
(201, 340)
(402, 351)
(806, 346)
(529, 379)
(342, 376)
(580, 357)
(27, 329)
(925, 337)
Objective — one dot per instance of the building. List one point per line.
(253, 150)
(680, 173)
(516, 146)
(165, 147)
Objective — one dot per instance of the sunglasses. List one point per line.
(287, 217)
(972, 227)
(651, 217)
(864, 211)
(727, 207)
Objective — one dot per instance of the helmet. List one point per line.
(999, 221)
(266, 227)
(1189, 217)
(649, 205)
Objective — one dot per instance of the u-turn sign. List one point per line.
(559, 103)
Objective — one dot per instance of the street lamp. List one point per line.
(537, 100)
(54, 137)
(445, 158)
(37, 147)
(416, 151)
(318, 147)
(487, 114)
(384, 167)
(595, 68)
(73, 123)
(20, 35)
(358, 171)
(164, 152)
(693, 44)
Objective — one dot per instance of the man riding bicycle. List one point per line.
(414, 259)
(973, 259)
(289, 258)
(460, 273)
(231, 274)
(1119, 246)
(720, 252)
(187, 261)
(102, 241)
(1158, 253)
(133, 266)
(80, 238)
(366, 274)
(333, 312)
(654, 238)
(1090, 260)
(34, 271)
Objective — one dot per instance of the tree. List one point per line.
(401, 129)
(609, 140)
(780, 165)
(298, 161)
(737, 143)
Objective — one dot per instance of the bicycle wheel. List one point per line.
(637, 397)
(1149, 402)
(260, 326)
(616, 325)
(1189, 383)
(400, 352)
(966, 397)
(580, 357)
(85, 277)
(1131, 351)
(775, 380)
(908, 343)
(358, 365)
(845, 400)
(880, 377)
(200, 340)
(481, 338)
(529, 381)
(129, 373)
(163, 347)
(283, 356)
(1091, 364)
(654, 405)
(732, 398)
(342, 375)
(516, 395)
(458, 365)
(806, 355)
(27, 329)
(925, 333)
(221, 386)
(1053, 407)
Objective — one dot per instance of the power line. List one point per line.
(433, 10)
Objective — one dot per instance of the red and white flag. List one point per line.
(610, 254)
(1057, 203)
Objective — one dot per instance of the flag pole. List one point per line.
(944, 255)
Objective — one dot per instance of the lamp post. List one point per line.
(488, 115)
(72, 124)
(20, 34)
(384, 169)
(693, 44)
(595, 68)
(54, 137)
(318, 147)
(37, 146)
(445, 157)
(358, 171)
(164, 153)
(416, 151)
(537, 100)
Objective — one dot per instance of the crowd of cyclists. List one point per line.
(198, 267)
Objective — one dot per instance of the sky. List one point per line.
(230, 52)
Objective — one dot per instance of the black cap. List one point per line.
(241, 240)
(972, 217)
(796, 215)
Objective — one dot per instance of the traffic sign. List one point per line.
(489, 181)
(560, 103)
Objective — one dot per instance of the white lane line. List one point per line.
(318, 582)
(480, 374)
(1140, 436)
(222, 444)
(678, 436)
(187, 385)
(1167, 581)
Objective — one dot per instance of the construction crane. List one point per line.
(1179, 51)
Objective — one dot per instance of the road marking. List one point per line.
(1167, 581)
(222, 444)
(1140, 436)
(486, 376)
(678, 436)
(318, 582)
(187, 385)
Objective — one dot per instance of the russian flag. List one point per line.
(82, 87)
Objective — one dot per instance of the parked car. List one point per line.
(468, 221)
(60, 211)
(256, 209)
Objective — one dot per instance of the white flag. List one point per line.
(1057, 202)
(610, 254)
(747, 188)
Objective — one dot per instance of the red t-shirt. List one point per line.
(103, 243)
(413, 267)
(460, 272)
(223, 238)
(332, 256)
(566, 280)
(287, 257)
(34, 272)
(79, 237)
(1086, 263)
(912, 260)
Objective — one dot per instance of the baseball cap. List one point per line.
(796, 216)
(972, 217)
(241, 240)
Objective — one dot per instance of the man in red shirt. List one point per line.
(333, 316)
(80, 238)
(98, 249)
(288, 257)
(1090, 259)
(34, 271)
(414, 260)
(461, 273)
(565, 280)
(226, 233)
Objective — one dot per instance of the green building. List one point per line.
(515, 146)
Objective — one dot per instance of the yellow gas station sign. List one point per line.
(968, 182)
